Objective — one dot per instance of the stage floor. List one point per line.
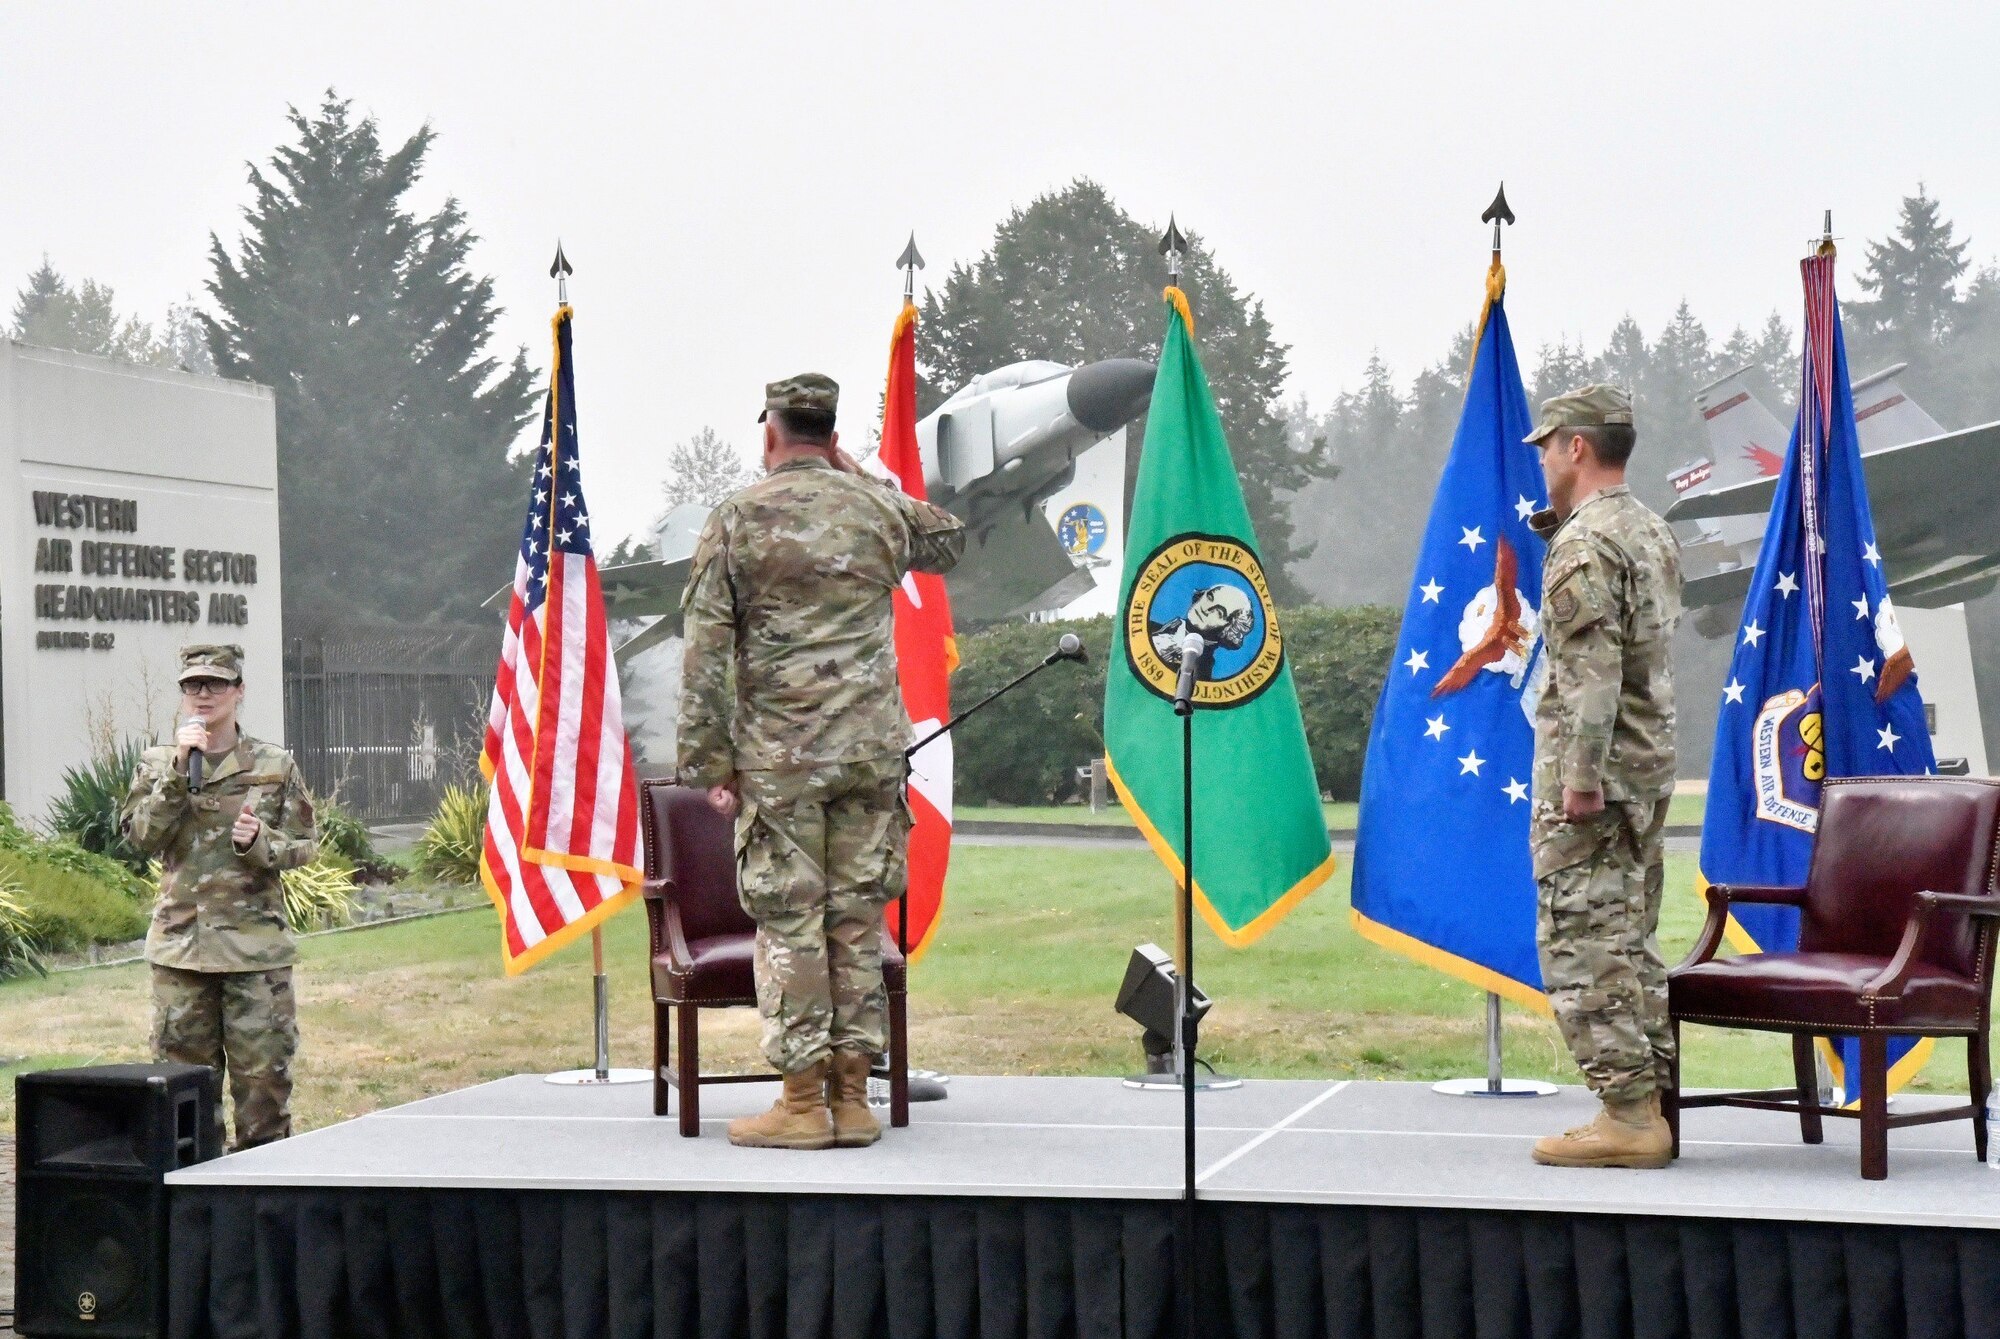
(1358, 1143)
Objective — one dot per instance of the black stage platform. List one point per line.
(1046, 1207)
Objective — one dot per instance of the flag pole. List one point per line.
(1496, 1083)
(600, 984)
(909, 263)
(1174, 246)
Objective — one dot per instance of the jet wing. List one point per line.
(1013, 565)
(1925, 471)
(631, 590)
(1936, 504)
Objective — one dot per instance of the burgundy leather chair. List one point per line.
(702, 943)
(1896, 938)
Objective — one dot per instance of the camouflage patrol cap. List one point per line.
(1584, 407)
(211, 660)
(807, 390)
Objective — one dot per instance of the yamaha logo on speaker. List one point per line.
(86, 1306)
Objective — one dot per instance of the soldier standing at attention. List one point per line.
(1604, 771)
(219, 946)
(792, 718)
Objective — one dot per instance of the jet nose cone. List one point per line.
(1105, 396)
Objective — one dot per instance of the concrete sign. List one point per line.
(138, 511)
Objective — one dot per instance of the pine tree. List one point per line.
(1560, 367)
(1072, 278)
(55, 314)
(702, 469)
(1914, 277)
(396, 496)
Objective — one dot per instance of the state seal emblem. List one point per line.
(1213, 586)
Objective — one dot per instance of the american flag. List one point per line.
(562, 814)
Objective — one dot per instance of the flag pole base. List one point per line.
(1170, 1082)
(593, 1078)
(1482, 1087)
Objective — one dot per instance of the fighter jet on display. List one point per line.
(1935, 497)
(993, 453)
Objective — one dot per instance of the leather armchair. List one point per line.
(1898, 916)
(702, 946)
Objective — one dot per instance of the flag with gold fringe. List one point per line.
(560, 853)
(1192, 570)
(1441, 867)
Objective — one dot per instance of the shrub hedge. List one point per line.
(1025, 748)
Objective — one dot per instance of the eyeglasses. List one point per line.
(206, 687)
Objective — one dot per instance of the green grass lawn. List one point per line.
(1340, 815)
(1019, 981)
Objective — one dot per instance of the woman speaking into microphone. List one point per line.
(226, 815)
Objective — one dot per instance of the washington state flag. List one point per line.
(1191, 566)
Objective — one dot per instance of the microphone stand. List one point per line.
(1078, 655)
(1069, 648)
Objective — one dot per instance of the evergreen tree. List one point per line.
(1073, 278)
(703, 469)
(55, 314)
(396, 496)
(1914, 277)
(1560, 367)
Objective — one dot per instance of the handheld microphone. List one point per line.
(195, 759)
(1193, 645)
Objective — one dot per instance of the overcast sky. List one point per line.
(733, 182)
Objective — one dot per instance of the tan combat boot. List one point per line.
(798, 1119)
(854, 1125)
(1624, 1134)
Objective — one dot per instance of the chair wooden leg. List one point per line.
(899, 1060)
(1874, 1107)
(690, 1070)
(662, 1047)
(1979, 1066)
(1806, 1075)
(1670, 1100)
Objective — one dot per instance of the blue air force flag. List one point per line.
(1441, 864)
(1821, 684)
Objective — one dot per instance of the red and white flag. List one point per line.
(926, 654)
(561, 847)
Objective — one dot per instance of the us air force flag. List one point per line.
(1441, 864)
(1821, 684)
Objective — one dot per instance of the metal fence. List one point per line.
(386, 718)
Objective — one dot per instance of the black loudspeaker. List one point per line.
(92, 1148)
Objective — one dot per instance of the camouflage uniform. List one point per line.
(220, 949)
(1611, 596)
(788, 686)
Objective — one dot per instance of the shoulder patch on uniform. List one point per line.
(1562, 606)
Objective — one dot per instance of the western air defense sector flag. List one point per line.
(1191, 567)
(561, 848)
(926, 655)
(1441, 864)
(1821, 684)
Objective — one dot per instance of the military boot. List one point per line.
(854, 1125)
(1624, 1134)
(798, 1119)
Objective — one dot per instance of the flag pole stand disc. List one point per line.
(1482, 1087)
(1170, 1082)
(591, 1078)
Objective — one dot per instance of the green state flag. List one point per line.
(1191, 567)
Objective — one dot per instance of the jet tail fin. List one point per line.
(1885, 415)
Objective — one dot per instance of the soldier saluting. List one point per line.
(792, 718)
(1604, 770)
(220, 950)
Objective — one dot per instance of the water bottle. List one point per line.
(1993, 1129)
